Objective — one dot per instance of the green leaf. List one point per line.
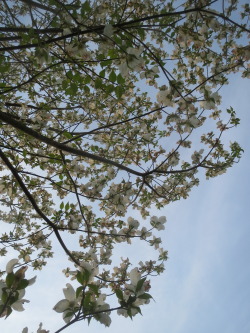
(86, 89)
(10, 279)
(119, 91)
(67, 206)
(5, 295)
(61, 205)
(85, 7)
(86, 301)
(140, 284)
(65, 84)
(137, 308)
(78, 291)
(112, 76)
(79, 277)
(94, 288)
(119, 294)
(22, 284)
(102, 73)
(109, 89)
(145, 296)
(98, 83)
(13, 298)
(131, 300)
(67, 135)
(120, 79)
(69, 74)
(130, 313)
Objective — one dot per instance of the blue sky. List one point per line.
(205, 287)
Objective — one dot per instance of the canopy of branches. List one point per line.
(107, 108)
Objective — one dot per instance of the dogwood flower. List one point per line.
(68, 304)
(133, 61)
(158, 222)
(91, 268)
(100, 305)
(134, 291)
(164, 98)
(19, 274)
(18, 305)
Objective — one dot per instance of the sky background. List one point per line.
(205, 287)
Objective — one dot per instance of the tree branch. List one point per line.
(34, 204)
(9, 120)
(40, 6)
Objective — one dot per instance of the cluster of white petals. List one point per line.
(158, 222)
(68, 304)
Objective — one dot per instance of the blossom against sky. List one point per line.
(205, 287)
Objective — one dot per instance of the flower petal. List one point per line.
(32, 281)
(21, 293)
(69, 293)
(18, 305)
(67, 319)
(105, 319)
(134, 276)
(61, 306)
(10, 265)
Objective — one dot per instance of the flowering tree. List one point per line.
(107, 109)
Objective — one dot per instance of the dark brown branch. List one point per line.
(9, 120)
(99, 29)
(37, 31)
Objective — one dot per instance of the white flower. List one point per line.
(133, 223)
(91, 268)
(158, 223)
(155, 241)
(104, 318)
(70, 301)
(135, 51)
(163, 97)
(134, 61)
(134, 276)
(144, 233)
(100, 305)
(124, 69)
(18, 305)
(194, 122)
(122, 312)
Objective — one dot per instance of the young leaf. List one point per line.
(140, 284)
(119, 294)
(10, 279)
